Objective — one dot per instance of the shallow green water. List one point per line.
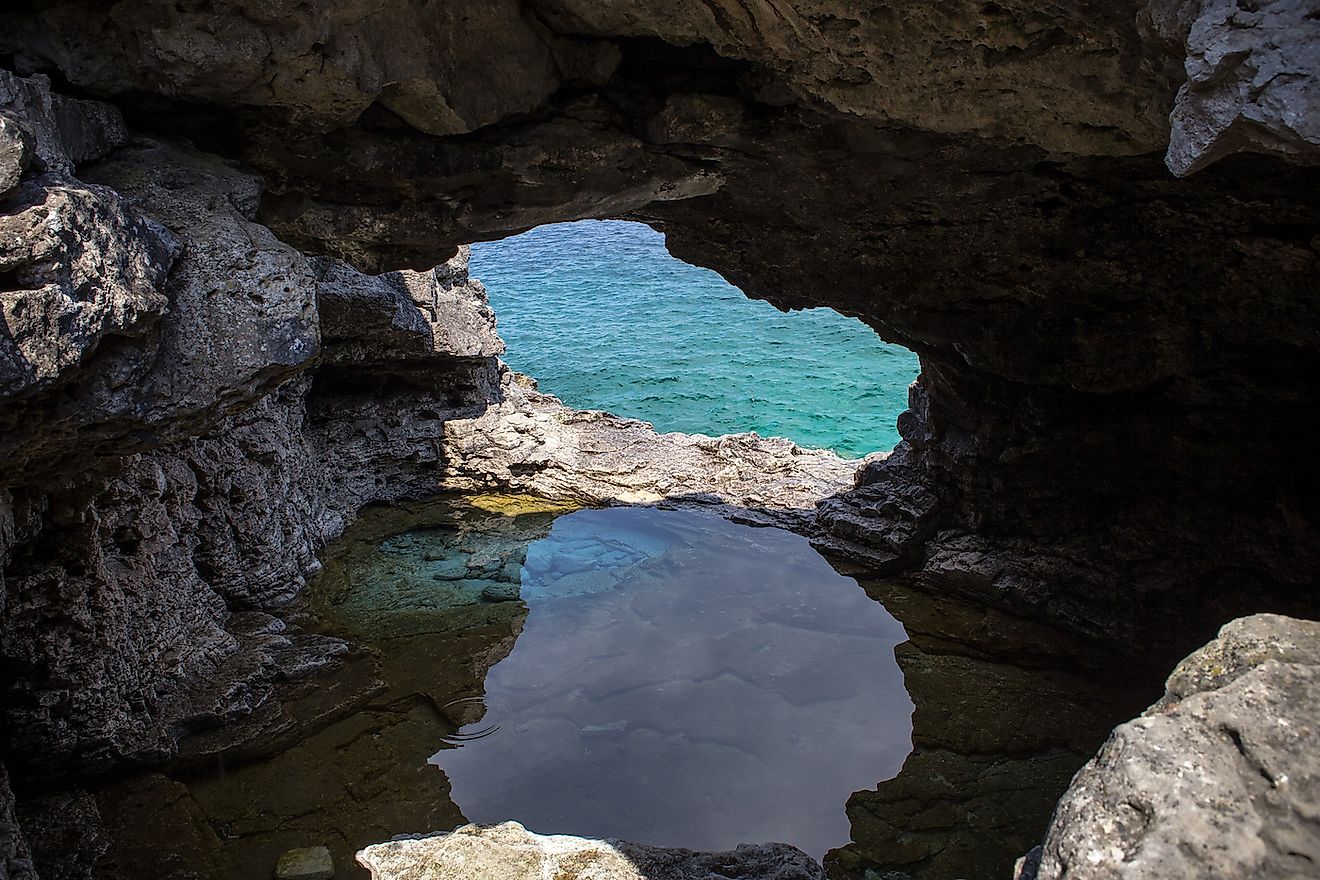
(605, 318)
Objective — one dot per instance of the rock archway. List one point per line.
(1113, 427)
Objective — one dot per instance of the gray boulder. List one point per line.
(1219, 779)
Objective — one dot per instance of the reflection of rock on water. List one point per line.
(998, 731)
(406, 583)
(679, 681)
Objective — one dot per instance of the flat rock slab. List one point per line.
(511, 852)
(308, 863)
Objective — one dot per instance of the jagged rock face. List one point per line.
(1238, 718)
(15, 859)
(164, 478)
(1250, 79)
(78, 263)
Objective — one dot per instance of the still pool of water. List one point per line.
(666, 676)
(685, 681)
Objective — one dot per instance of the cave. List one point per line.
(238, 323)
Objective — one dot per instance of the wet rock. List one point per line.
(64, 131)
(511, 851)
(63, 828)
(176, 380)
(997, 735)
(1217, 779)
(501, 593)
(977, 182)
(155, 828)
(308, 863)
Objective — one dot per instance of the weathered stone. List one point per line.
(308, 863)
(440, 315)
(77, 264)
(1114, 424)
(63, 827)
(510, 851)
(530, 442)
(167, 835)
(65, 131)
(1251, 79)
(998, 731)
(78, 268)
(16, 148)
(964, 67)
(1218, 779)
(15, 859)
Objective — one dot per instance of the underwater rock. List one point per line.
(511, 852)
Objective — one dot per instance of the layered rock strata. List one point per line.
(530, 442)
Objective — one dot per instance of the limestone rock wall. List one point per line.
(1250, 79)
(1113, 426)
(197, 409)
(1238, 716)
(171, 466)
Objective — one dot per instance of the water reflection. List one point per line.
(685, 681)
(663, 676)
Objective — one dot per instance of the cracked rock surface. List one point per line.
(1217, 779)
(223, 333)
(1250, 79)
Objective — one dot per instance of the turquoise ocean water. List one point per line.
(605, 318)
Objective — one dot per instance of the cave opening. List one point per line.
(603, 317)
